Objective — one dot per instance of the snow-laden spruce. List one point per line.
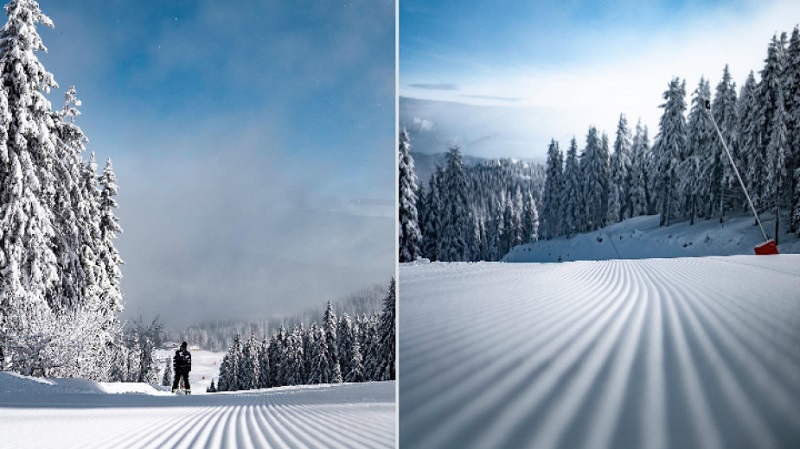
(410, 236)
(59, 269)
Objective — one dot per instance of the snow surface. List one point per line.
(642, 237)
(699, 352)
(78, 413)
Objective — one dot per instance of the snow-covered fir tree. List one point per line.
(772, 108)
(639, 175)
(320, 363)
(725, 193)
(696, 167)
(263, 365)
(792, 98)
(619, 206)
(330, 323)
(553, 188)
(572, 195)
(109, 258)
(432, 221)
(409, 233)
(350, 358)
(530, 220)
(595, 173)
(455, 230)
(750, 137)
(250, 367)
(29, 266)
(670, 145)
(386, 335)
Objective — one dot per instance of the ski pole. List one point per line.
(735, 170)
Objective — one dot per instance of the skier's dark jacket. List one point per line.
(182, 362)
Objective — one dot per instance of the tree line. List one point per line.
(59, 267)
(338, 350)
(684, 175)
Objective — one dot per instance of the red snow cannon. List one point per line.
(767, 248)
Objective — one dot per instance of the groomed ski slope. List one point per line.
(75, 413)
(652, 353)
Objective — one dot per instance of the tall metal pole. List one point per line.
(735, 170)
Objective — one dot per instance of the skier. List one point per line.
(182, 364)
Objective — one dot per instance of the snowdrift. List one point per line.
(642, 237)
(652, 353)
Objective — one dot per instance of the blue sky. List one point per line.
(254, 144)
(503, 78)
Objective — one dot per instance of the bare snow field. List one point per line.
(77, 413)
(699, 352)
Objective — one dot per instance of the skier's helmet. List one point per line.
(184, 345)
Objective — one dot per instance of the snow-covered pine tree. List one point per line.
(108, 256)
(320, 368)
(288, 371)
(263, 364)
(639, 176)
(620, 186)
(773, 110)
(696, 171)
(332, 344)
(211, 388)
(28, 264)
(276, 357)
(530, 220)
(553, 189)
(792, 97)
(224, 373)
(296, 354)
(67, 199)
(750, 138)
(572, 194)
(670, 146)
(724, 191)
(350, 357)
(595, 171)
(410, 236)
(453, 243)
(370, 343)
(249, 370)
(434, 208)
(386, 333)
(234, 365)
(507, 230)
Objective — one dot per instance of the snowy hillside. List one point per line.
(652, 353)
(641, 237)
(77, 413)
